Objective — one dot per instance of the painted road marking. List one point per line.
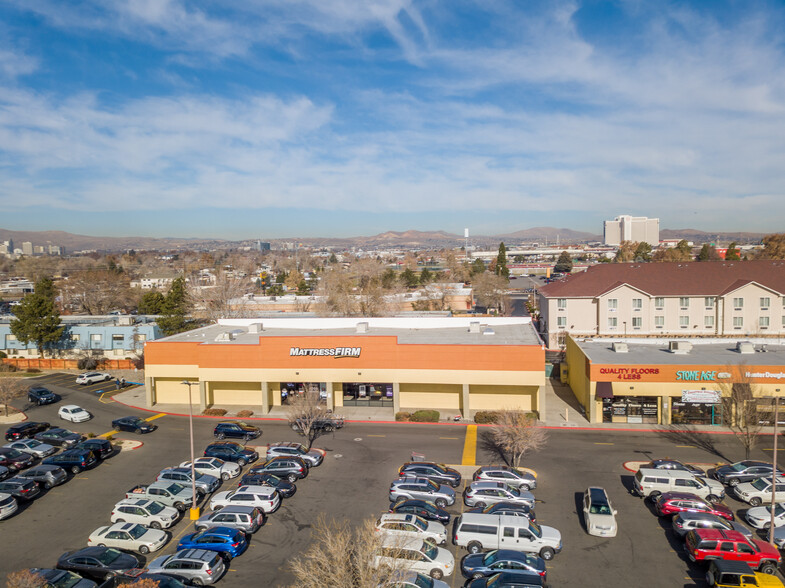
(599, 443)
(377, 435)
(685, 446)
(101, 398)
(470, 446)
(454, 438)
(157, 416)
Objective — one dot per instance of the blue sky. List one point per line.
(286, 118)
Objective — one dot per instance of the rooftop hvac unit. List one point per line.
(255, 328)
(227, 336)
(620, 347)
(680, 347)
(474, 327)
(362, 327)
(745, 347)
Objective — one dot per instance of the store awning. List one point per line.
(604, 390)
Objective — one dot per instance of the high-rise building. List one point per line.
(632, 228)
(262, 246)
(27, 248)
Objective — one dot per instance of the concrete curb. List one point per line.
(128, 444)
(12, 419)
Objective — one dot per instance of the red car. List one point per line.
(708, 544)
(672, 503)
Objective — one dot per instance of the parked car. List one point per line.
(27, 429)
(98, 563)
(674, 464)
(507, 580)
(484, 493)
(4, 473)
(59, 437)
(62, 579)
(45, 475)
(478, 565)
(74, 413)
(247, 519)
(167, 493)
(92, 378)
(406, 488)
(205, 484)
(326, 424)
(133, 424)
(14, 459)
(214, 467)
(511, 509)
(129, 537)
(433, 471)
(285, 489)
(229, 451)
(33, 447)
(684, 522)
(40, 395)
(8, 505)
(143, 511)
(598, 514)
(312, 457)
(418, 555)
(236, 430)
(422, 508)
(742, 471)
(73, 460)
(20, 488)
(710, 544)
(101, 448)
(411, 527)
(290, 468)
(758, 491)
(409, 579)
(727, 574)
(481, 531)
(760, 516)
(227, 541)
(163, 580)
(199, 566)
(265, 498)
(514, 477)
(650, 483)
(672, 503)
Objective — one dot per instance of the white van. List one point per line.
(478, 531)
(650, 483)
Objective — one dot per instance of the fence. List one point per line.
(69, 364)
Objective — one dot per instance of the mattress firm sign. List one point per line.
(336, 352)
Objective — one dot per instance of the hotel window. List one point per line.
(612, 322)
(561, 303)
(763, 322)
(738, 322)
(684, 321)
(561, 322)
(75, 337)
(709, 302)
(684, 302)
(708, 322)
(765, 303)
(613, 304)
(637, 303)
(659, 302)
(659, 322)
(637, 322)
(738, 303)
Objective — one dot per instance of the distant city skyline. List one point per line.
(274, 119)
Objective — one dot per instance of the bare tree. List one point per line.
(10, 388)
(24, 579)
(335, 291)
(740, 406)
(341, 555)
(99, 291)
(491, 291)
(308, 416)
(221, 299)
(516, 433)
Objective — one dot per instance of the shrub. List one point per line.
(483, 417)
(110, 438)
(3, 355)
(214, 411)
(245, 413)
(406, 416)
(91, 435)
(425, 416)
(33, 371)
(87, 363)
(8, 367)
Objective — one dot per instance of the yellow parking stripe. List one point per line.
(599, 443)
(470, 446)
(157, 416)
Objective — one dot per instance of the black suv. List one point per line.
(134, 424)
(20, 488)
(101, 448)
(236, 430)
(230, 451)
(22, 430)
(291, 468)
(285, 489)
(59, 437)
(40, 395)
(74, 460)
(742, 471)
(433, 471)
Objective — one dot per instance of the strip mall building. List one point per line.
(452, 364)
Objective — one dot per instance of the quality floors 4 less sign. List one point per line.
(336, 352)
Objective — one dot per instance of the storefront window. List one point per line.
(291, 390)
(696, 413)
(367, 394)
(630, 409)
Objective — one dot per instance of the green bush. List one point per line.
(91, 435)
(214, 411)
(3, 355)
(33, 371)
(425, 416)
(484, 417)
(406, 416)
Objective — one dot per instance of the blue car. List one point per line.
(225, 540)
(479, 565)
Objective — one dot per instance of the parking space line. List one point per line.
(376, 435)
(685, 446)
(157, 416)
(601, 443)
(455, 438)
(470, 446)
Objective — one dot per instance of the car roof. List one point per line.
(481, 484)
(235, 508)
(732, 567)
(719, 534)
(70, 406)
(397, 516)
(598, 495)
(400, 542)
(680, 496)
(199, 554)
(699, 516)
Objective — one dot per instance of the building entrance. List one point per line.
(367, 394)
(291, 390)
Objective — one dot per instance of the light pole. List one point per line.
(194, 507)
(774, 466)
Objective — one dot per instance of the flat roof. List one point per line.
(408, 330)
(705, 352)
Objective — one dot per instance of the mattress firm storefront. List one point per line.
(655, 382)
(446, 363)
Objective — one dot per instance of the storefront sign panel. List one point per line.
(701, 396)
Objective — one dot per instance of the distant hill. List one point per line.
(74, 242)
(697, 236)
(551, 234)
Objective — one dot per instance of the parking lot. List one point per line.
(353, 483)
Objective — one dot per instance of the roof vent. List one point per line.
(488, 331)
(745, 347)
(679, 347)
(362, 327)
(620, 347)
(255, 328)
(474, 327)
(226, 336)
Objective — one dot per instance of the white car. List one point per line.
(265, 498)
(411, 526)
(759, 491)
(415, 555)
(74, 413)
(129, 536)
(92, 378)
(598, 514)
(8, 505)
(144, 512)
(760, 516)
(212, 466)
(32, 446)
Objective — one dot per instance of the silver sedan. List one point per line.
(129, 536)
(34, 447)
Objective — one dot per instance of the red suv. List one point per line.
(675, 502)
(708, 544)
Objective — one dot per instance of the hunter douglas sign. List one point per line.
(336, 352)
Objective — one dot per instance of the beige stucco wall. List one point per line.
(242, 393)
(172, 391)
(500, 397)
(430, 396)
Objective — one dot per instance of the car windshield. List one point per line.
(14, 453)
(535, 529)
(175, 488)
(33, 443)
(300, 447)
(430, 550)
(155, 507)
(760, 484)
(67, 580)
(779, 510)
(601, 509)
(490, 558)
(702, 482)
(433, 485)
(739, 466)
(420, 523)
(137, 531)
(423, 581)
(134, 420)
(513, 491)
(108, 556)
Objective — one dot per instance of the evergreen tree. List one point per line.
(426, 276)
(643, 252)
(684, 249)
(174, 311)
(501, 262)
(333, 259)
(732, 254)
(563, 264)
(409, 278)
(477, 267)
(37, 319)
(302, 288)
(151, 303)
(388, 278)
(708, 253)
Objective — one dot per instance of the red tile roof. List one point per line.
(707, 278)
